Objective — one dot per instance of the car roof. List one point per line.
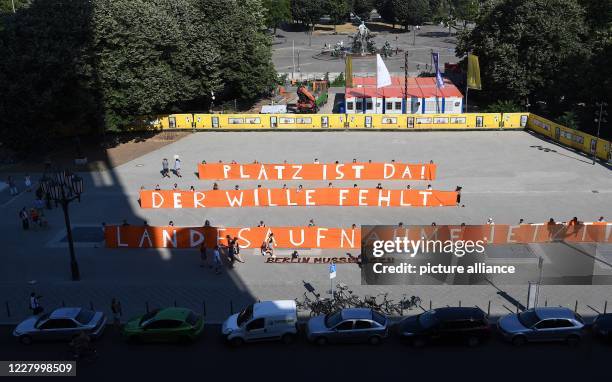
(356, 314)
(172, 314)
(554, 312)
(275, 307)
(459, 313)
(69, 313)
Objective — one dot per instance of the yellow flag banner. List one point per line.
(473, 73)
(348, 72)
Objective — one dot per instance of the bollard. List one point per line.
(489, 309)
(91, 305)
(8, 309)
(546, 302)
(429, 304)
(147, 306)
(231, 307)
(460, 303)
(605, 306)
(576, 307)
(203, 308)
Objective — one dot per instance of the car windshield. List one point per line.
(192, 319)
(333, 319)
(84, 316)
(428, 319)
(528, 318)
(42, 319)
(146, 317)
(245, 315)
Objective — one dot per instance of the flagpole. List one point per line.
(467, 85)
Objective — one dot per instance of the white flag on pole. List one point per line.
(383, 78)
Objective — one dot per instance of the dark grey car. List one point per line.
(542, 325)
(62, 324)
(348, 325)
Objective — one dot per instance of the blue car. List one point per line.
(542, 325)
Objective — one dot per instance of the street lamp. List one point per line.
(599, 117)
(65, 188)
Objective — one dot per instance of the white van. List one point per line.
(262, 321)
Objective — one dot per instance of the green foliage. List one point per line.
(410, 12)
(465, 10)
(338, 10)
(308, 11)
(339, 81)
(569, 119)
(362, 8)
(93, 65)
(277, 12)
(503, 106)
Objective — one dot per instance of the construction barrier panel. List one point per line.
(317, 171)
(280, 197)
(348, 238)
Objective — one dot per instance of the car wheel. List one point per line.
(473, 341)
(26, 340)
(573, 340)
(321, 341)
(288, 338)
(519, 341)
(237, 342)
(374, 340)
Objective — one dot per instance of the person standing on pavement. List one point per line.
(217, 260)
(28, 183)
(35, 306)
(165, 168)
(177, 166)
(25, 218)
(117, 312)
(203, 255)
(12, 186)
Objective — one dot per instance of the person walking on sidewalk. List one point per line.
(117, 312)
(35, 306)
(165, 168)
(28, 183)
(12, 186)
(25, 218)
(217, 260)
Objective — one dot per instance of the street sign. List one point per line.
(332, 271)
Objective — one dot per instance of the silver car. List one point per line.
(542, 325)
(348, 325)
(62, 324)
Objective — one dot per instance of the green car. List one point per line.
(165, 325)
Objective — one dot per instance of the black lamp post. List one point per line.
(65, 188)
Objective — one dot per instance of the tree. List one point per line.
(524, 47)
(338, 10)
(386, 11)
(308, 11)
(277, 12)
(410, 12)
(363, 8)
(465, 10)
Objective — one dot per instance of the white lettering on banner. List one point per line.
(343, 194)
(145, 235)
(176, 196)
(155, 195)
(535, 233)
(425, 194)
(363, 197)
(358, 169)
(119, 243)
(167, 238)
(248, 242)
(279, 171)
(402, 203)
(197, 198)
(407, 172)
(345, 236)
(422, 172)
(298, 169)
(386, 198)
(454, 233)
(320, 235)
(234, 200)
(308, 194)
(324, 172)
(291, 238)
(270, 199)
(256, 197)
(193, 242)
(242, 174)
(226, 170)
(339, 172)
(388, 166)
(220, 235)
(510, 238)
(262, 171)
(288, 192)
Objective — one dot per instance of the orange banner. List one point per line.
(348, 238)
(280, 197)
(249, 237)
(317, 171)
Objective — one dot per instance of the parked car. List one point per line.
(542, 325)
(262, 321)
(602, 326)
(348, 325)
(165, 325)
(62, 324)
(462, 324)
